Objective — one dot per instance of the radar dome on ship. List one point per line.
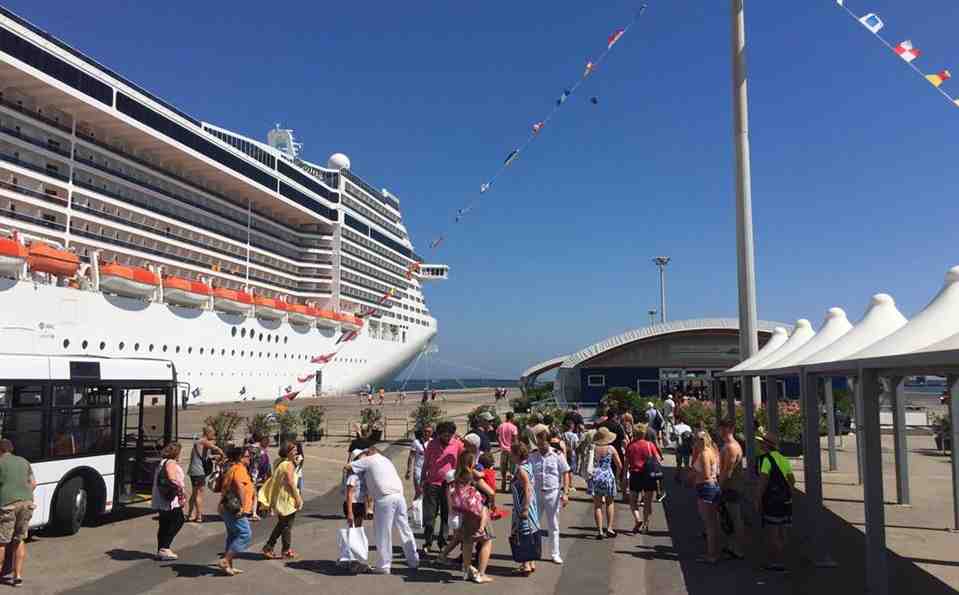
(338, 161)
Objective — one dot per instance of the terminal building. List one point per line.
(671, 357)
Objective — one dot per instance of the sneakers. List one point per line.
(166, 555)
(378, 570)
(557, 559)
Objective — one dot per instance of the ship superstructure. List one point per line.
(128, 227)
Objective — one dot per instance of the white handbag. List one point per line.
(415, 514)
(354, 547)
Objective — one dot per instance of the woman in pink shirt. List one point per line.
(438, 460)
(506, 433)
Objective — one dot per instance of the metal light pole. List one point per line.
(661, 262)
(748, 341)
(652, 316)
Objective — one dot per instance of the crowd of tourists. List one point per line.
(454, 486)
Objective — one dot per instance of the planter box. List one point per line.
(376, 435)
(314, 436)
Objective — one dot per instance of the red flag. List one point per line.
(307, 378)
(322, 359)
(614, 38)
(538, 126)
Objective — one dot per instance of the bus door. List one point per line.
(146, 425)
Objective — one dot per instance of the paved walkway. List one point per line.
(116, 557)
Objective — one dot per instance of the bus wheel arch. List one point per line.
(80, 497)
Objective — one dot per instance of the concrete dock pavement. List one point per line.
(116, 556)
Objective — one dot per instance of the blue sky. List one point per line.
(853, 155)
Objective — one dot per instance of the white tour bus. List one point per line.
(92, 429)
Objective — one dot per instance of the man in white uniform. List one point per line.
(551, 482)
(384, 485)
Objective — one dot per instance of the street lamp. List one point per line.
(661, 262)
(652, 316)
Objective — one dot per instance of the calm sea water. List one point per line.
(412, 386)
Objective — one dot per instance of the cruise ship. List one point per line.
(129, 228)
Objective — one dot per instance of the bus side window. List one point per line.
(21, 418)
(81, 421)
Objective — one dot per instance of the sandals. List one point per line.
(610, 533)
(269, 555)
(227, 570)
(290, 554)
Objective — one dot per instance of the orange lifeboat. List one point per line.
(300, 314)
(128, 281)
(12, 256)
(44, 258)
(269, 308)
(232, 301)
(350, 322)
(184, 292)
(327, 319)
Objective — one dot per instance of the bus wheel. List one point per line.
(70, 506)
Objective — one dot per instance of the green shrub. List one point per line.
(312, 418)
(261, 424)
(372, 418)
(224, 424)
(426, 413)
(521, 404)
(289, 424)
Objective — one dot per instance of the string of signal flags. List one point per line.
(537, 127)
(904, 49)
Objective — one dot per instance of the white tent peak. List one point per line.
(939, 320)
(780, 335)
(801, 334)
(880, 319)
(834, 326)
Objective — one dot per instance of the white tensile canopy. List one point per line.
(833, 328)
(802, 334)
(780, 335)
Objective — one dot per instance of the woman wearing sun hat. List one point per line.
(601, 485)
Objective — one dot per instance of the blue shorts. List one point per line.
(708, 492)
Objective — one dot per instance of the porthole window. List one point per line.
(178, 349)
(121, 345)
(242, 333)
(233, 353)
(151, 347)
(233, 332)
(136, 347)
(223, 352)
(164, 349)
(189, 350)
(261, 336)
(201, 351)
(285, 339)
(66, 343)
(84, 344)
(103, 345)
(243, 354)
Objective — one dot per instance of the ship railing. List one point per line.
(20, 135)
(37, 115)
(33, 167)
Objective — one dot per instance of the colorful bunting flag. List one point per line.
(594, 100)
(562, 98)
(538, 126)
(589, 68)
(484, 188)
(307, 378)
(323, 359)
(614, 38)
(905, 51)
(435, 243)
(872, 22)
(939, 78)
(513, 156)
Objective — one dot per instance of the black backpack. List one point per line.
(658, 421)
(778, 491)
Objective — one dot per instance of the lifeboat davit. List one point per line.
(300, 314)
(232, 301)
(269, 308)
(12, 256)
(184, 292)
(128, 281)
(327, 319)
(44, 258)
(350, 322)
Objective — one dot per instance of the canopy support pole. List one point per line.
(812, 467)
(857, 401)
(750, 386)
(897, 392)
(830, 423)
(731, 397)
(953, 383)
(772, 404)
(877, 571)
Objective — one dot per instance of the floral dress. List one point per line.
(531, 523)
(603, 480)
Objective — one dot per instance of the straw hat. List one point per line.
(604, 437)
(539, 429)
(474, 440)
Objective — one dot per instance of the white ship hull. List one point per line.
(222, 357)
